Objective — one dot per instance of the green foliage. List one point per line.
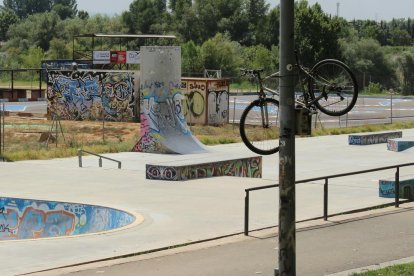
(191, 62)
(33, 58)
(146, 16)
(405, 72)
(220, 52)
(368, 61)
(7, 18)
(373, 89)
(316, 34)
(395, 270)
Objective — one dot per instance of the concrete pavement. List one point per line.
(183, 212)
(341, 246)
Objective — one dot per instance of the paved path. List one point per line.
(182, 212)
(323, 248)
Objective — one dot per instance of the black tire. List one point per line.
(258, 137)
(337, 84)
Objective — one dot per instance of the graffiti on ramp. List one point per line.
(163, 125)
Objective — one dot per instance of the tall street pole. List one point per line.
(287, 216)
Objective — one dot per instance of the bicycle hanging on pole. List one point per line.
(330, 87)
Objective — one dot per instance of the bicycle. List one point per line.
(330, 87)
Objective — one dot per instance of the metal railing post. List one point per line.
(80, 157)
(397, 188)
(100, 162)
(325, 200)
(119, 165)
(246, 214)
(1, 133)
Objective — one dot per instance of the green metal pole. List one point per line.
(287, 211)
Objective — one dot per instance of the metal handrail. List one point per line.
(326, 190)
(80, 151)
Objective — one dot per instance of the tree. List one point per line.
(225, 16)
(220, 52)
(405, 69)
(367, 60)
(192, 62)
(24, 8)
(400, 37)
(7, 18)
(35, 31)
(65, 8)
(146, 16)
(316, 34)
(83, 15)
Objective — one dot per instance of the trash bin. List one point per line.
(303, 121)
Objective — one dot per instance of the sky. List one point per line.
(350, 9)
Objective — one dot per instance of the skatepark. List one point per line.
(167, 214)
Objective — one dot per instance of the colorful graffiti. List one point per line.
(387, 188)
(163, 125)
(30, 219)
(92, 95)
(244, 167)
(370, 139)
(206, 101)
(399, 144)
(218, 107)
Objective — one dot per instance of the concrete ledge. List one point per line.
(387, 187)
(373, 138)
(203, 168)
(400, 144)
(22, 99)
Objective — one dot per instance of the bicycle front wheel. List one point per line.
(259, 126)
(333, 85)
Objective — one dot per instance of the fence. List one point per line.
(326, 191)
(2, 130)
(19, 84)
(386, 109)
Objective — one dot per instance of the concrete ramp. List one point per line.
(163, 125)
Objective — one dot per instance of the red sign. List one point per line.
(118, 57)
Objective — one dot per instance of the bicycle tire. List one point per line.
(261, 138)
(337, 83)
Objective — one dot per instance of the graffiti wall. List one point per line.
(370, 139)
(244, 167)
(28, 219)
(194, 100)
(218, 102)
(93, 95)
(387, 188)
(399, 144)
(205, 101)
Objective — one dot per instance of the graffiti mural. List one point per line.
(244, 167)
(92, 95)
(163, 125)
(194, 100)
(218, 107)
(399, 144)
(370, 139)
(29, 219)
(387, 188)
(206, 101)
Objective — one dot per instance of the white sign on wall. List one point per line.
(101, 57)
(133, 57)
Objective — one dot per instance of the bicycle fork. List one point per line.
(265, 114)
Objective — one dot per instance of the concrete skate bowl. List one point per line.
(33, 219)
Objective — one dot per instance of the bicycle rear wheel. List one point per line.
(335, 85)
(259, 126)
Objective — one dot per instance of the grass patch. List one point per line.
(395, 270)
(22, 136)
